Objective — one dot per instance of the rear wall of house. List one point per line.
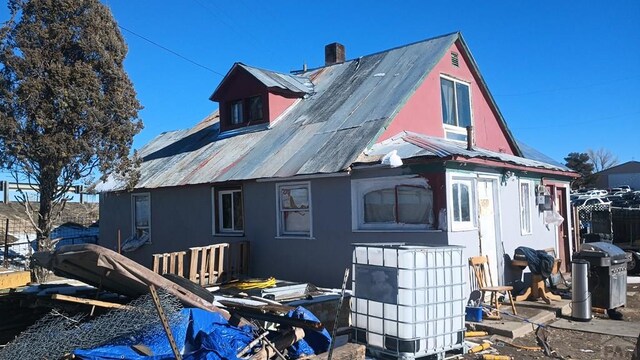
(322, 259)
(181, 217)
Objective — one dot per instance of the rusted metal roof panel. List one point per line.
(272, 79)
(413, 145)
(324, 132)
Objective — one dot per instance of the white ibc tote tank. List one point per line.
(408, 299)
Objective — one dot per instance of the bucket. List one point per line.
(473, 314)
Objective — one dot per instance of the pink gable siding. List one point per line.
(423, 111)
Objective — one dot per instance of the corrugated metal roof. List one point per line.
(413, 145)
(272, 79)
(351, 104)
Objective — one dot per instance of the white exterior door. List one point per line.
(487, 224)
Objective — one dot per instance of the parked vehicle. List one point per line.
(590, 201)
(625, 188)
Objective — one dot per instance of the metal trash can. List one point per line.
(607, 273)
(580, 297)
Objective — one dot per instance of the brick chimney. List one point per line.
(334, 54)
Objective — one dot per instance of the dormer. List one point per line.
(250, 96)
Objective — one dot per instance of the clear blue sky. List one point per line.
(564, 74)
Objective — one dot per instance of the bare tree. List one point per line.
(602, 159)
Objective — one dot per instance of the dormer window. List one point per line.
(236, 113)
(246, 110)
(255, 108)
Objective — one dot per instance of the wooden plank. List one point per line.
(181, 263)
(212, 264)
(173, 262)
(203, 265)
(156, 263)
(14, 279)
(164, 263)
(193, 265)
(100, 303)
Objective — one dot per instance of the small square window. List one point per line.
(294, 209)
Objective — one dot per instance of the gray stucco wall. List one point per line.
(320, 260)
(181, 217)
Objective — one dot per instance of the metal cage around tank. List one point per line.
(408, 299)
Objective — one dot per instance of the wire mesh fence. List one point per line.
(17, 236)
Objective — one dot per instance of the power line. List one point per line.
(552, 90)
(171, 51)
(569, 124)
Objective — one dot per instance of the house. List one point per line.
(405, 145)
(616, 176)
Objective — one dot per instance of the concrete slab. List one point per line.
(513, 327)
(561, 307)
(601, 326)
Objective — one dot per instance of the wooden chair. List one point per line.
(482, 272)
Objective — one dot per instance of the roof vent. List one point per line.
(454, 59)
(334, 54)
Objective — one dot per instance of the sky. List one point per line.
(563, 74)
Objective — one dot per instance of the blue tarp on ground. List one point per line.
(314, 342)
(200, 335)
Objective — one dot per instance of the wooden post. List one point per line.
(119, 244)
(5, 188)
(6, 243)
(165, 323)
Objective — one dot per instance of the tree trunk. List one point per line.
(48, 183)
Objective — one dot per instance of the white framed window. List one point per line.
(393, 203)
(230, 211)
(456, 107)
(294, 209)
(526, 201)
(462, 195)
(141, 214)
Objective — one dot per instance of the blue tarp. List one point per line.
(200, 335)
(314, 342)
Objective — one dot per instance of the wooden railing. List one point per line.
(207, 265)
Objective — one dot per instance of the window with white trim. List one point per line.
(463, 203)
(294, 209)
(230, 215)
(526, 201)
(456, 108)
(141, 206)
(394, 203)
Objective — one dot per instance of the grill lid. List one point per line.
(601, 249)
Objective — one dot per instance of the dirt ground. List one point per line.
(569, 344)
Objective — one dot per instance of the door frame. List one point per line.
(564, 247)
(497, 220)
